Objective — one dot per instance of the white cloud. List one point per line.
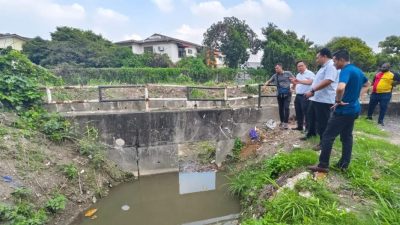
(251, 10)
(111, 15)
(188, 33)
(210, 8)
(164, 5)
(136, 37)
(44, 9)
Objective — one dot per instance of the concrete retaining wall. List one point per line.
(161, 134)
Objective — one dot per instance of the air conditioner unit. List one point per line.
(160, 48)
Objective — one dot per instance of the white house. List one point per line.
(14, 40)
(254, 60)
(161, 44)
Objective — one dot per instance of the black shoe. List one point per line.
(381, 123)
(297, 128)
(318, 169)
(368, 118)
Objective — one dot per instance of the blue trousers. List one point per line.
(383, 100)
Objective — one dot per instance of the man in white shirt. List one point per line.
(302, 84)
(323, 92)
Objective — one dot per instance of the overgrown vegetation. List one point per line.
(237, 148)
(24, 212)
(25, 143)
(20, 80)
(250, 180)
(373, 176)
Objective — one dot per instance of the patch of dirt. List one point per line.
(166, 92)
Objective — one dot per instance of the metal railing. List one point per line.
(101, 88)
(260, 93)
(146, 97)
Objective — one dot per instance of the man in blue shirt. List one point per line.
(352, 84)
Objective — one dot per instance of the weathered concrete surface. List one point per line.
(159, 134)
(153, 105)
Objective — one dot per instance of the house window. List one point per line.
(181, 52)
(190, 51)
(148, 49)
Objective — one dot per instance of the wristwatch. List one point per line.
(312, 91)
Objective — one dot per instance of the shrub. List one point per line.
(53, 125)
(82, 76)
(70, 171)
(21, 193)
(20, 80)
(237, 148)
(56, 203)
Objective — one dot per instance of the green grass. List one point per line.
(288, 207)
(254, 177)
(369, 127)
(373, 175)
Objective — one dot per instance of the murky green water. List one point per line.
(167, 199)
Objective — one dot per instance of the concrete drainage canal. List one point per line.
(188, 148)
(193, 198)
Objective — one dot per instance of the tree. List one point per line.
(20, 80)
(360, 53)
(233, 37)
(390, 52)
(286, 48)
(76, 47)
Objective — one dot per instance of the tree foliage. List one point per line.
(360, 53)
(76, 47)
(390, 52)
(20, 80)
(285, 47)
(233, 37)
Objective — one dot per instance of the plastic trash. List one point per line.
(90, 212)
(7, 179)
(253, 134)
(271, 124)
(125, 207)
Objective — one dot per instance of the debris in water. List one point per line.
(125, 207)
(94, 199)
(93, 217)
(120, 142)
(90, 212)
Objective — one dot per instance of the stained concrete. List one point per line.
(161, 133)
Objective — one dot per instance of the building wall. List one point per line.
(137, 49)
(171, 49)
(194, 52)
(15, 43)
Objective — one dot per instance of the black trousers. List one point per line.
(319, 114)
(301, 107)
(343, 125)
(283, 103)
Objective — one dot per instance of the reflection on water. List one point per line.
(167, 199)
(196, 182)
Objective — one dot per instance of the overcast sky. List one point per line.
(117, 20)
